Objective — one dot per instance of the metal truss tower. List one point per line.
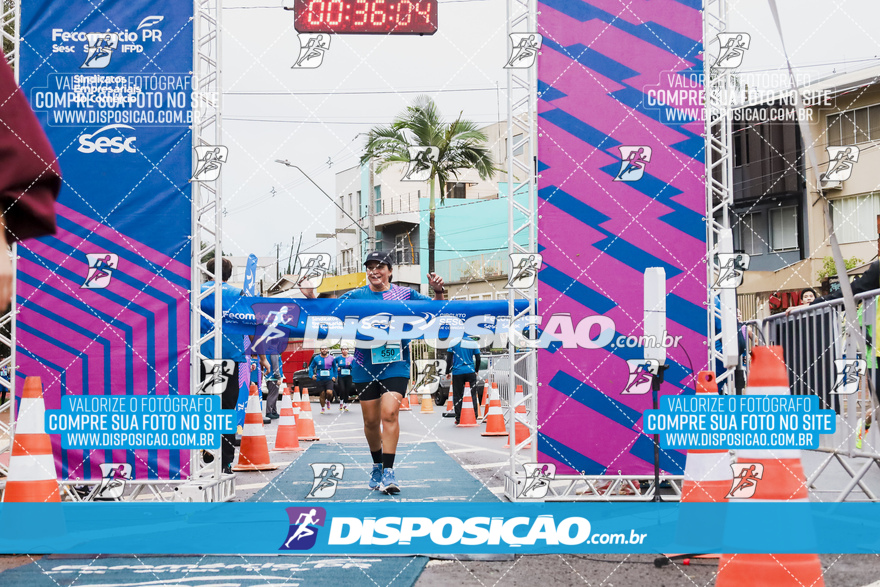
(207, 483)
(522, 98)
(721, 303)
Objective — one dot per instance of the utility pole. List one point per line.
(371, 213)
(277, 261)
(290, 259)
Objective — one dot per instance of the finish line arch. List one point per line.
(576, 111)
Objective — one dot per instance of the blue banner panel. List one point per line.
(104, 303)
(412, 528)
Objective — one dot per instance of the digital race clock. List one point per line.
(408, 17)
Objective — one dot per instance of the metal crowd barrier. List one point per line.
(813, 340)
(499, 372)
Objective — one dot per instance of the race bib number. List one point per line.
(324, 373)
(389, 353)
(345, 371)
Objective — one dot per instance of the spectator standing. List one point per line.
(463, 362)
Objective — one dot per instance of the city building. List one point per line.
(778, 215)
(471, 227)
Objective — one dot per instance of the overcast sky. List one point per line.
(312, 117)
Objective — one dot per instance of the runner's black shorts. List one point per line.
(325, 385)
(374, 389)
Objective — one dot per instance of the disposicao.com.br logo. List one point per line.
(480, 331)
(543, 530)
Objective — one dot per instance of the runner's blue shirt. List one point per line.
(462, 359)
(363, 368)
(343, 365)
(322, 368)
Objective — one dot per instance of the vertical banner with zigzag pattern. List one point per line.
(621, 190)
(104, 304)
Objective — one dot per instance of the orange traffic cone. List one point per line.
(296, 399)
(404, 404)
(449, 405)
(522, 431)
(484, 405)
(707, 474)
(494, 414)
(32, 474)
(305, 424)
(286, 439)
(427, 404)
(413, 397)
(468, 417)
(254, 452)
(782, 480)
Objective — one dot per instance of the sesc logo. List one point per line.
(101, 144)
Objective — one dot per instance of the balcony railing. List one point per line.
(399, 203)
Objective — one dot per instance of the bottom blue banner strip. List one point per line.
(413, 528)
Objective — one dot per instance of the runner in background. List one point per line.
(344, 384)
(381, 374)
(273, 382)
(322, 368)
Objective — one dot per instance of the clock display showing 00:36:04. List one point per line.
(412, 17)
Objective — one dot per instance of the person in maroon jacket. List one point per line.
(29, 175)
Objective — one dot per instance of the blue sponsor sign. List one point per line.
(103, 303)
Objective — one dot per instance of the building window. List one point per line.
(378, 196)
(359, 203)
(748, 234)
(854, 126)
(855, 218)
(456, 190)
(783, 228)
(350, 203)
(399, 248)
(741, 146)
(347, 264)
(517, 151)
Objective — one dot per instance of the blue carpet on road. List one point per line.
(424, 471)
(196, 571)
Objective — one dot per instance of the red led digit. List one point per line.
(404, 12)
(330, 18)
(316, 9)
(378, 8)
(360, 12)
(426, 14)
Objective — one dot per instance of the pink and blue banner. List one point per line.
(621, 189)
(104, 303)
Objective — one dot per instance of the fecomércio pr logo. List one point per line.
(304, 527)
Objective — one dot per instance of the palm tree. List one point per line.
(461, 146)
